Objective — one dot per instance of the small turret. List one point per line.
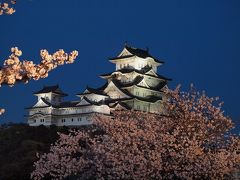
(51, 94)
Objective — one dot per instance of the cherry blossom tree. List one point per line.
(190, 141)
(14, 70)
(5, 7)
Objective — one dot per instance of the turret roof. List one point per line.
(54, 89)
(136, 52)
(120, 86)
(121, 104)
(67, 104)
(142, 71)
(151, 99)
(93, 91)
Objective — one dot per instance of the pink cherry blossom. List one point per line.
(190, 141)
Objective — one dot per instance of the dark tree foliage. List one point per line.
(18, 146)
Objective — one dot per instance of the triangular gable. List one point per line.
(124, 52)
(120, 107)
(86, 91)
(40, 103)
(151, 72)
(114, 92)
(143, 83)
(83, 102)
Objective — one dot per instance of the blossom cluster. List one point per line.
(5, 9)
(188, 142)
(14, 70)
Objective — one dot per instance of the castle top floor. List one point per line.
(134, 58)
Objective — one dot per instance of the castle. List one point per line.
(134, 84)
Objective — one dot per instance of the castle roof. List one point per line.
(136, 52)
(151, 99)
(120, 104)
(93, 91)
(120, 86)
(92, 102)
(61, 105)
(53, 89)
(67, 104)
(142, 71)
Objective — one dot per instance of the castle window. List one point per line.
(79, 119)
(72, 119)
(138, 107)
(137, 93)
(63, 120)
(145, 108)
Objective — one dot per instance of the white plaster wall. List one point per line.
(73, 121)
(141, 106)
(40, 110)
(37, 121)
(136, 63)
(142, 92)
(131, 63)
(152, 82)
(82, 109)
(95, 97)
(156, 107)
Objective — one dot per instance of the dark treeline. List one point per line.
(18, 146)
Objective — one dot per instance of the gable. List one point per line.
(124, 52)
(83, 102)
(143, 83)
(119, 107)
(151, 72)
(40, 103)
(86, 91)
(114, 92)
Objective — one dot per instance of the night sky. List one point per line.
(198, 40)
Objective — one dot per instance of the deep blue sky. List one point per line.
(199, 41)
